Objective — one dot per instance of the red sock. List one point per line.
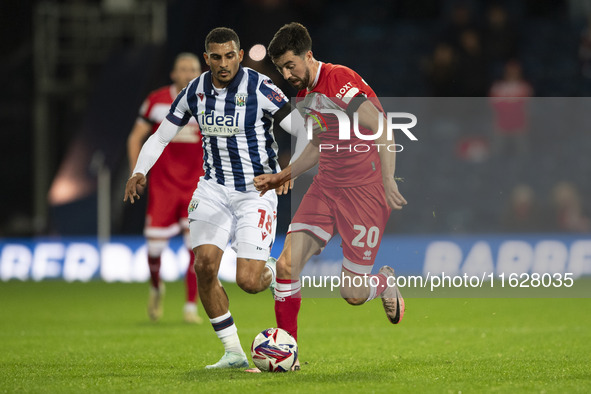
(154, 264)
(288, 299)
(191, 280)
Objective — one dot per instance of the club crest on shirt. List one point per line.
(240, 99)
(193, 205)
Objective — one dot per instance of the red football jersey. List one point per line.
(509, 100)
(181, 164)
(343, 163)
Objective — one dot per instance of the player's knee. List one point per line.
(194, 264)
(205, 267)
(353, 296)
(248, 283)
(354, 301)
(205, 273)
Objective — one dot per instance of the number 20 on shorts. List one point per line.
(373, 235)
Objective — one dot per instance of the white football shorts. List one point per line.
(218, 215)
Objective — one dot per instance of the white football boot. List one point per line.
(272, 265)
(392, 299)
(230, 360)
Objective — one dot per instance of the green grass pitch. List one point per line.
(60, 337)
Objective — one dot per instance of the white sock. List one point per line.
(372, 293)
(283, 290)
(227, 332)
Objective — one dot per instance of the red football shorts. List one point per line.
(167, 210)
(359, 214)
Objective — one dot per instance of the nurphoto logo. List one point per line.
(392, 119)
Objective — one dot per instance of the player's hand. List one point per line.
(394, 199)
(285, 188)
(132, 187)
(265, 182)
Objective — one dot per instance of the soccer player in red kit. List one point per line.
(172, 182)
(354, 191)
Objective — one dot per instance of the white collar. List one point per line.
(317, 76)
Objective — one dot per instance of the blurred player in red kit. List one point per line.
(354, 191)
(172, 182)
(509, 99)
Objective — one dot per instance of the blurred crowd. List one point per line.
(508, 52)
(471, 53)
(562, 212)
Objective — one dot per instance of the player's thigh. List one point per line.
(255, 224)
(361, 220)
(210, 218)
(315, 215)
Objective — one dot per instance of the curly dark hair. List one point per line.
(291, 37)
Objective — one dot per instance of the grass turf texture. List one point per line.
(73, 337)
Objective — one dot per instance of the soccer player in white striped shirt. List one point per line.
(235, 108)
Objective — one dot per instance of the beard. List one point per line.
(301, 83)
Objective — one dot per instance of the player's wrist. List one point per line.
(285, 175)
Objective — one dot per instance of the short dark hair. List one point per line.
(220, 35)
(291, 37)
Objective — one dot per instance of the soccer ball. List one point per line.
(274, 350)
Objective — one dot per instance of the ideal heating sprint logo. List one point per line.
(212, 124)
(316, 116)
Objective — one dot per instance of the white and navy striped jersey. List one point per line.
(236, 125)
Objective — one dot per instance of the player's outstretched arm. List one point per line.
(291, 121)
(150, 152)
(137, 137)
(265, 182)
(307, 160)
(369, 118)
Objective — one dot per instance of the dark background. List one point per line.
(391, 44)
